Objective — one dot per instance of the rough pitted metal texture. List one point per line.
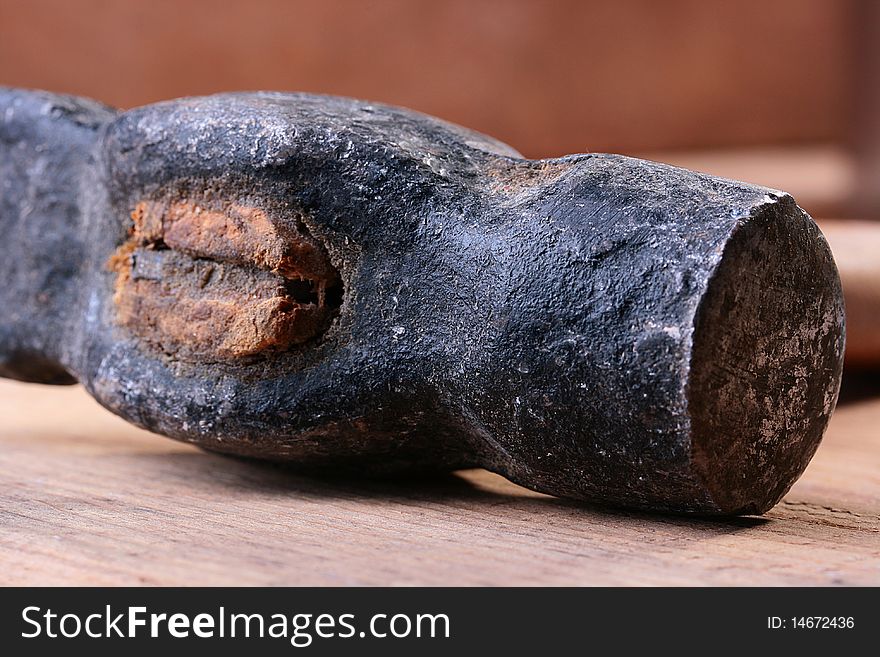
(352, 286)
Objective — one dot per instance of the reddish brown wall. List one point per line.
(547, 76)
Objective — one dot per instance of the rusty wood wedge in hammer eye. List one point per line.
(352, 286)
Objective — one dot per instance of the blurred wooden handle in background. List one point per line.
(856, 248)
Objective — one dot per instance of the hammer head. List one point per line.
(353, 286)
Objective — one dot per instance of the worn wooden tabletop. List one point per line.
(87, 499)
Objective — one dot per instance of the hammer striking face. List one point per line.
(353, 286)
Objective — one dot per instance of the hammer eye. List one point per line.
(207, 281)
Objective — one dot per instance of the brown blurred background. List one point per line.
(548, 76)
(780, 92)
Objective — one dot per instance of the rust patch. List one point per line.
(208, 282)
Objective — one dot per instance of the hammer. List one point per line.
(355, 287)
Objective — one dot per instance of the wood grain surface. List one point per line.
(88, 499)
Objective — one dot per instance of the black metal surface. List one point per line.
(593, 326)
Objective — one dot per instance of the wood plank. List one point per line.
(88, 499)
